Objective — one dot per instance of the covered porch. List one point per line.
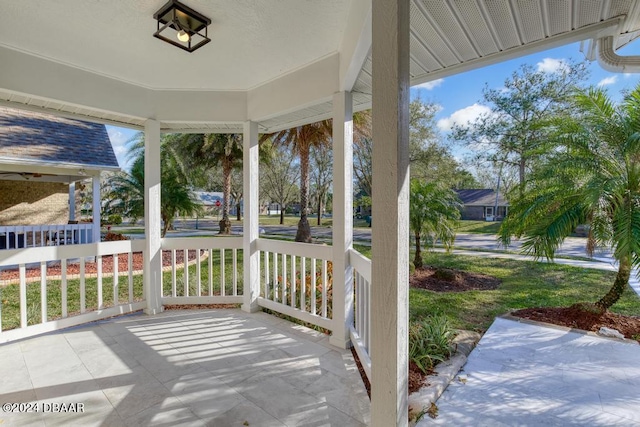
(334, 59)
(186, 367)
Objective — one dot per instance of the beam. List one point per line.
(356, 43)
(342, 229)
(390, 234)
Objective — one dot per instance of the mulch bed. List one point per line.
(91, 267)
(451, 280)
(579, 316)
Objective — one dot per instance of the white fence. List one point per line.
(296, 280)
(361, 330)
(50, 288)
(32, 236)
(212, 273)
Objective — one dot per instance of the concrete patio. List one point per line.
(522, 374)
(193, 367)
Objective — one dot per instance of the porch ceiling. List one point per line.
(276, 62)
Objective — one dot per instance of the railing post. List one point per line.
(72, 201)
(152, 218)
(342, 219)
(250, 254)
(96, 209)
(390, 234)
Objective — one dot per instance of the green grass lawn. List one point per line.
(481, 227)
(524, 284)
(10, 298)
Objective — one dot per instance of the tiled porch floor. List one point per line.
(192, 367)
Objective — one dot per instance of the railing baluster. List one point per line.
(130, 267)
(210, 272)
(276, 283)
(83, 287)
(222, 274)
(99, 279)
(63, 303)
(173, 273)
(324, 288)
(303, 284)
(266, 274)
(116, 290)
(198, 273)
(234, 253)
(284, 279)
(312, 294)
(43, 292)
(294, 281)
(185, 271)
(23, 296)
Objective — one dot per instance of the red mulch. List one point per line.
(579, 316)
(451, 280)
(107, 265)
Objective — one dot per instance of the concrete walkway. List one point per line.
(522, 374)
(183, 368)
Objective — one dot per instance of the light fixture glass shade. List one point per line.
(183, 36)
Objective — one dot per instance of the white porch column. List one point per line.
(72, 201)
(250, 233)
(152, 219)
(342, 218)
(390, 234)
(95, 181)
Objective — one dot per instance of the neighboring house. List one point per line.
(42, 157)
(481, 205)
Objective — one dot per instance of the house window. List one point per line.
(488, 211)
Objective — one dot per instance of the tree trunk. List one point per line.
(281, 214)
(521, 173)
(320, 210)
(417, 260)
(304, 230)
(619, 285)
(225, 223)
(238, 216)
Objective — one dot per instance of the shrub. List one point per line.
(114, 219)
(430, 341)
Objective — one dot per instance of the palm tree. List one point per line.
(127, 189)
(206, 151)
(434, 213)
(594, 178)
(301, 139)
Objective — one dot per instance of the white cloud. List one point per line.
(551, 65)
(627, 75)
(430, 85)
(119, 141)
(463, 116)
(607, 81)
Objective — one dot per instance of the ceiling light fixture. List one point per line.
(186, 23)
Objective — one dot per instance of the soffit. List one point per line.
(451, 36)
(447, 37)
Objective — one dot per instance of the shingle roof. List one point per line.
(36, 137)
(481, 197)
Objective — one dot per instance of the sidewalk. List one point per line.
(523, 374)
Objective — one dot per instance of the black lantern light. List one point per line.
(181, 26)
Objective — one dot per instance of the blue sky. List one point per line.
(459, 96)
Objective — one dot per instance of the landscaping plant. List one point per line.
(430, 341)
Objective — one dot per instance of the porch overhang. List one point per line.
(447, 37)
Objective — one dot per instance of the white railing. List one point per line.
(202, 271)
(32, 236)
(296, 280)
(361, 330)
(50, 288)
